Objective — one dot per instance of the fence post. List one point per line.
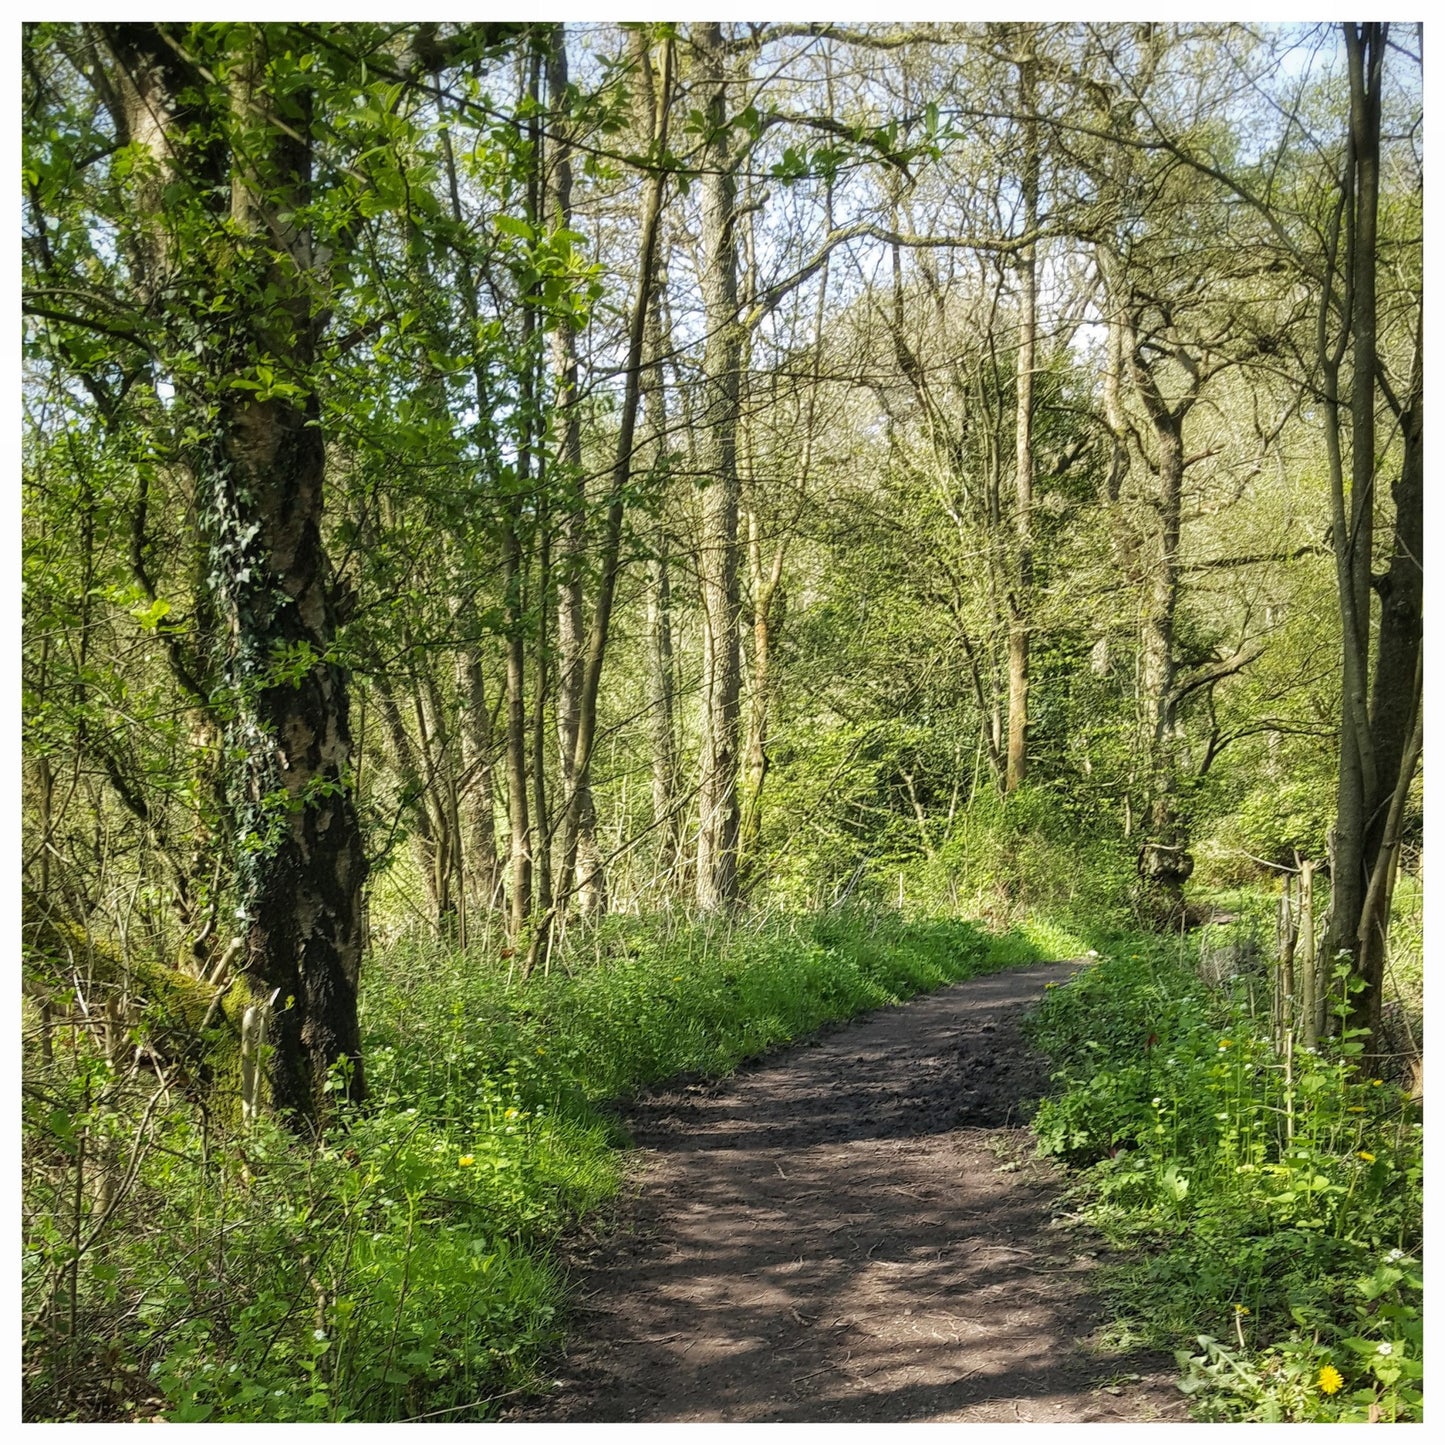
(1310, 990)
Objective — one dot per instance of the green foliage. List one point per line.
(1276, 1201)
(653, 1001)
(197, 1272)
(408, 295)
(1276, 821)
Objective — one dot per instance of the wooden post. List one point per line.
(1310, 990)
(1288, 932)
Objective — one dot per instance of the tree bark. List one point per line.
(1165, 862)
(1379, 717)
(718, 818)
(519, 827)
(415, 800)
(1020, 598)
(661, 727)
(481, 876)
(261, 469)
(599, 632)
(513, 570)
(769, 602)
(581, 859)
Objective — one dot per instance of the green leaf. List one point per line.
(150, 617)
(513, 226)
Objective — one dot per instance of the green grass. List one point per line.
(1269, 1209)
(402, 1268)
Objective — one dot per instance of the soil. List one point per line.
(855, 1229)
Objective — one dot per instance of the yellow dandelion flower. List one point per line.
(1330, 1380)
(466, 1161)
(1367, 1156)
(1241, 1309)
(1224, 1043)
(512, 1114)
(1377, 1083)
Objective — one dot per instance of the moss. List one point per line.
(170, 1014)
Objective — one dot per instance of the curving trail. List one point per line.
(852, 1230)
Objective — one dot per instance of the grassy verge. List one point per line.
(401, 1269)
(1270, 1208)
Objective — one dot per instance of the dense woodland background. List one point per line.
(516, 516)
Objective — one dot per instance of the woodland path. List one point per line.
(852, 1230)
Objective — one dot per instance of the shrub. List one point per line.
(1274, 1199)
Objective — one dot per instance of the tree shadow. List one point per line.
(838, 1235)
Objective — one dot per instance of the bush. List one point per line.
(1276, 1200)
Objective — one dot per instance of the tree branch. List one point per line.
(1216, 671)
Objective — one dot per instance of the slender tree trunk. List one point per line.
(513, 570)
(1165, 862)
(518, 815)
(478, 789)
(581, 859)
(622, 468)
(541, 851)
(1021, 599)
(661, 727)
(478, 735)
(414, 792)
(717, 877)
(769, 603)
(662, 740)
(439, 779)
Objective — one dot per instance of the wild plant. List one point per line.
(1273, 1194)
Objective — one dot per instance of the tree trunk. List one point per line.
(1164, 859)
(260, 473)
(1379, 737)
(661, 726)
(518, 815)
(1020, 598)
(440, 778)
(769, 602)
(477, 734)
(480, 875)
(581, 860)
(717, 876)
(415, 802)
(541, 816)
(513, 569)
(622, 468)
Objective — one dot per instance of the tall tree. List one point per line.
(218, 126)
(1380, 723)
(718, 809)
(1026, 264)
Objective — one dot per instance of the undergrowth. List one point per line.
(1269, 1209)
(179, 1266)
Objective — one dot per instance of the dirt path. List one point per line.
(852, 1230)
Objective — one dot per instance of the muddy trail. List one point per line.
(856, 1230)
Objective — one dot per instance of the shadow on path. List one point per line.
(852, 1231)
